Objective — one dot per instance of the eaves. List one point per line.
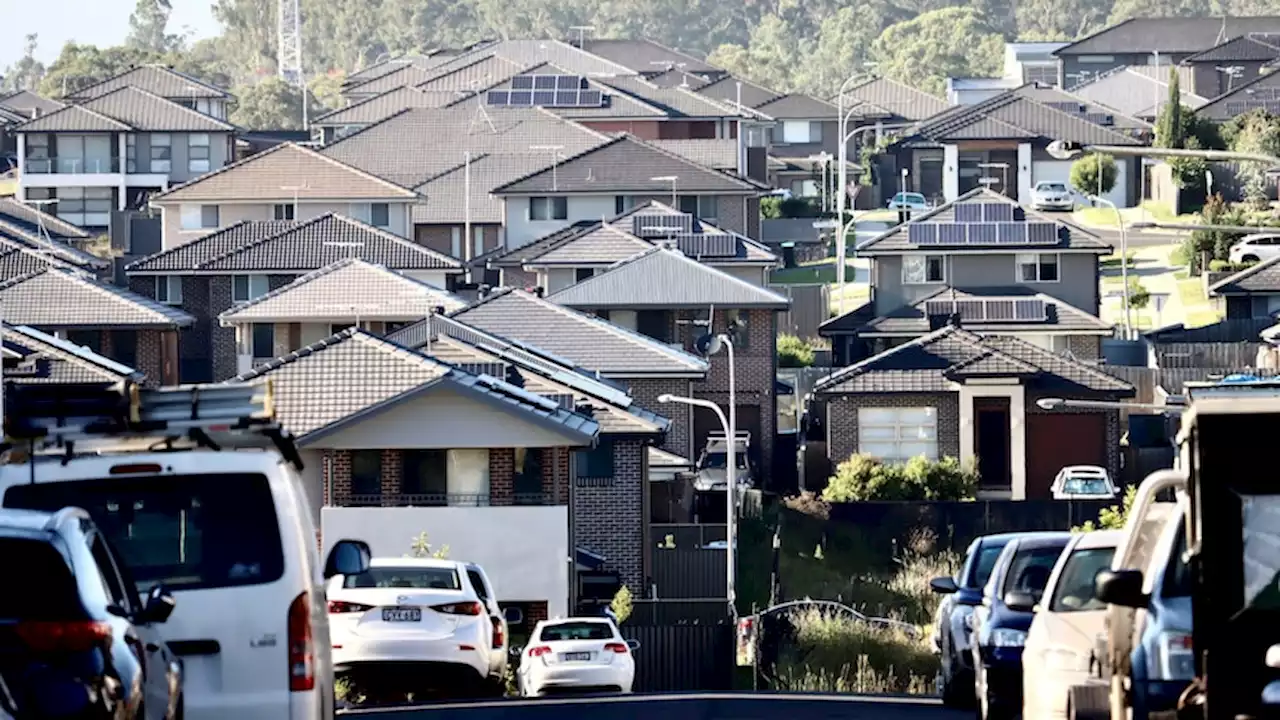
(689, 375)
(927, 250)
(995, 329)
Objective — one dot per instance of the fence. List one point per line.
(682, 574)
(1145, 380)
(682, 658)
(686, 536)
(680, 611)
(810, 307)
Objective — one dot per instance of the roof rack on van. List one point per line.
(48, 416)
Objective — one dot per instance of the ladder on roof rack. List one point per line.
(218, 415)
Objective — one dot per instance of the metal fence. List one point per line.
(681, 658)
(687, 536)
(810, 307)
(682, 573)
(680, 611)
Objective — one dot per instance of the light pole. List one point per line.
(842, 172)
(671, 179)
(1124, 260)
(824, 159)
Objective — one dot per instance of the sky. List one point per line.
(97, 22)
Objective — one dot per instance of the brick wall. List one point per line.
(680, 435)
(518, 278)
(502, 468)
(535, 612)
(556, 482)
(1085, 347)
(842, 420)
(337, 477)
(151, 355)
(608, 514)
(222, 340)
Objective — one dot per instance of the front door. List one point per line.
(992, 442)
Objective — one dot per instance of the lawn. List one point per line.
(822, 272)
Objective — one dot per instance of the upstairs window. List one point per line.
(199, 217)
(169, 289)
(198, 157)
(923, 269)
(1038, 267)
(548, 208)
(161, 153)
(596, 463)
(283, 211)
(248, 287)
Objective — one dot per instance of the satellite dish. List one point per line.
(708, 344)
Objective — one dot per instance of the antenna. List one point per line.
(289, 50)
(481, 111)
(555, 161)
(42, 230)
(295, 189)
(582, 31)
(1222, 32)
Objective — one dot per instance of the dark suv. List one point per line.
(75, 640)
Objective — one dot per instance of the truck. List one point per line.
(1193, 626)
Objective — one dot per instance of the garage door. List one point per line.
(1060, 171)
(1058, 439)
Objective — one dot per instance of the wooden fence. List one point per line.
(810, 307)
(1145, 380)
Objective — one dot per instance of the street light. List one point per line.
(1063, 150)
(824, 158)
(1175, 407)
(842, 170)
(1124, 260)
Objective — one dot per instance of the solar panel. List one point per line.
(522, 82)
(996, 212)
(654, 226)
(1033, 310)
(591, 98)
(521, 98)
(967, 213)
(704, 245)
(544, 82)
(566, 98)
(983, 234)
(1011, 233)
(499, 97)
(570, 82)
(1042, 233)
(950, 234)
(922, 234)
(997, 310)
(1069, 107)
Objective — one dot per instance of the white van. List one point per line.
(228, 533)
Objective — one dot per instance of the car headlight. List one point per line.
(1007, 637)
(1173, 659)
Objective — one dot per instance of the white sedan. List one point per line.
(576, 655)
(1083, 482)
(909, 201)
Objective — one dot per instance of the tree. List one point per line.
(862, 478)
(1113, 517)
(271, 104)
(421, 548)
(148, 25)
(1051, 20)
(926, 50)
(1169, 126)
(1094, 174)
(621, 605)
(1256, 132)
(794, 352)
(79, 66)
(1139, 298)
(27, 72)
(1125, 9)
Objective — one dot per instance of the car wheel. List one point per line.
(1249, 259)
(955, 693)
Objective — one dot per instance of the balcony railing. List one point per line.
(72, 166)
(445, 500)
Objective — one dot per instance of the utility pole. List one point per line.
(289, 51)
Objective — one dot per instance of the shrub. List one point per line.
(771, 207)
(1084, 174)
(1113, 517)
(863, 478)
(621, 604)
(421, 548)
(1138, 294)
(1227, 266)
(794, 352)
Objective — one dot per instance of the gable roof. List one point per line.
(1074, 104)
(482, 72)
(528, 52)
(293, 246)
(65, 361)
(1031, 119)
(57, 297)
(1132, 90)
(796, 106)
(1261, 92)
(898, 98)
(729, 89)
(31, 218)
(146, 112)
(938, 360)
(646, 56)
(28, 104)
(585, 340)
(62, 251)
(1174, 35)
(262, 178)
(347, 289)
(1262, 277)
(17, 260)
(353, 375)
(1242, 48)
(671, 101)
(718, 154)
(73, 118)
(627, 164)
(404, 76)
(445, 194)
(663, 278)
(380, 107)
(156, 79)
(914, 319)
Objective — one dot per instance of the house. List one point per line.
(957, 393)
(1252, 293)
(1002, 143)
(1139, 91)
(1002, 269)
(587, 186)
(288, 182)
(23, 248)
(395, 444)
(17, 107)
(1230, 64)
(39, 357)
(1261, 93)
(587, 248)
(347, 293)
(1152, 41)
(1024, 63)
(903, 102)
(609, 497)
(647, 367)
(162, 81)
(251, 258)
(649, 58)
(675, 299)
(131, 329)
(113, 151)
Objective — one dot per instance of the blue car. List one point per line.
(1001, 621)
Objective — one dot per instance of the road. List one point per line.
(699, 706)
(1137, 239)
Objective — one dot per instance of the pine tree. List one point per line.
(1169, 127)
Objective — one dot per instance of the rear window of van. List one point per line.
(187, 532)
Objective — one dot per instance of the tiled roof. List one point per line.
(659, 458)
(427, 60)
(628, 165)
(672, 101)
(1244, 48)
(156, 79)
(1133, 90)
(380, 107)
(444, 195)
(913, 320)
(145, 112)
(28, 104)
(935, 362)
(404, 76)
(1263, 277)
(1167, 35)
(718, 154)
(263, 177)
(1045, 95)
(796, 106)
(53, 246)
(73, 118)
(897, 238)
(483, 72)
(16, 260)
(1242, 98)
(898, 98)
(602, 245)
(343, 292)
(531, 52)
(344, 378)
(620, 104)
(1029, 116)
(850, 322)
(647, 56)
(55, 297)
(293, 246)
(585, 340)
(31, 218)
(730, 89)
(662, 278)
(66, 362)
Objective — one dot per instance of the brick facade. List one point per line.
(502, 469)
(608, 514)
(842, 420)
(645, 394)
(1085, 347)
(150, 357)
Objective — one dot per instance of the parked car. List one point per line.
(418, 624)
(78, 642)
(576, 655)
(1255, 248)
(1060, 643)
(1001, 622)
(713, 463)
(1083, 482)
(1052, 195)
(912, 201)
(951, 631)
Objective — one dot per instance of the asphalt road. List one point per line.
(1138, 239)
(698, 706)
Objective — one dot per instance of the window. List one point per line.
(528, 476)
(655, 324)
(85, 206)
(161, 153)
(983, 566)
(264, 340)
(737, 329)
(1029, 571)
(705, 207)
(548, 208)
(131, 153)
(805, 188)
(596, 462)
(425, 473)
(921, 269)
(623, 203)
(417, 578)
(580, 274)
(198, 152)
(169, 289)
(366, 473)
(199, 217)
(455, 241)
(479, 585)
(1075, 589)
(576, 630)
(1037, 267)
(37, 149)
(380, 215)
(248, 287)
(1045, 74)
(186, 531)
(283, 211)
(898, 434)
(799, 132)
(477, 236)
(110, 576)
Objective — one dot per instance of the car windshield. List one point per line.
(1075, 587)
(419, 578)
(1086, 485)
(576, 631)
(717, 460)
(983, 565)
(1051, 187)
(185, 531)
(1029, 571)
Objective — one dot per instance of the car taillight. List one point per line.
(497, 632)
(459, 608)
(539, 651)
(302, 650)
(338, 607)
(620, 648)
(74, 636)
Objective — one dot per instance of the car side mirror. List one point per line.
(1120, 587)
(633, 644)
(348, 557)
(1020, 601)
(159, 606)
(943, 585)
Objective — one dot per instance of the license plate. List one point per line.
(401, 614)
(577, 656)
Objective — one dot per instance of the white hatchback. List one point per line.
(405, 615)
(576, 655)
(1083, 482)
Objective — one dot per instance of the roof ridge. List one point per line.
(1070, 359)
(46, 218)
(63, 250)
(203, 238)
(153, 66)
(631, 97)
(388, 235)
(112, 291)
(384, 76)
(675, 253)
(369, 99)
(1246, 273)
(1077, 119)
(148, 94)
(258, 241)
(68, 351)
(845, 373)
(352, 333)
(70, 108)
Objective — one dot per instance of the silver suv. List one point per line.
(714, 460)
